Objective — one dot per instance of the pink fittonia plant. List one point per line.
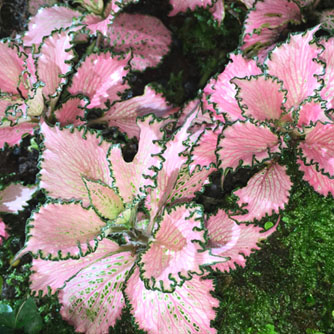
(275, 110)
(156, 270)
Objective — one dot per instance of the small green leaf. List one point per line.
(268, 225)
(6, 316)
(27, 316)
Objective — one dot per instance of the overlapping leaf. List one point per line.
(184, 5)
(71, 112)
(3, 232)
(189, 309)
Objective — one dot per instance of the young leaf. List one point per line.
(189, 309)
(170, 257)
(266, 192)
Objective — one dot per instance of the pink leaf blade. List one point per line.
(183, 5)
(63, 230)
(14, 197)
(93, 300)
(171, 257)
(3, 233)
(67, 157)
(35, 5)
(189, 309)
(71, 112)
(145, 35)
(53, 274)
(266, 193)
(100, 78)
(244, 143)
(310, 112)
(232, 240)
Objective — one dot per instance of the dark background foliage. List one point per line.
(287, 287)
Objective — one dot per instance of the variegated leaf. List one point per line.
(145, 35)
(63, 230)
(183, 5)
(3, 232)
(100, 78)
(300, 70)
(71, 112)
(93, 6)
(92, 301)
(244, 143)
(35, 5)
(54, 274)
(266, 192)
(171, 256)
(221, 92)
(310, 112)
(232, 240)
(14, 197)
(67, 157)
(189, 309)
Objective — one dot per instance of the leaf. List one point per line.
(184, 5)
(266, 192)
(124, 114)
(310, 112)
(47, 20)
(317, 148)
(221, 92)
(320, 183)
(232, 240)
(189, 309)
(28, 317)
(71, 112)
(245, 143)
(218, 11)
(132, 178)
(7, 316)
(260, 97)
(92, 301)
(35, 5)
(69, 155)
(301, 70)
(100, 78)
(104, 199)
(170, 257)
(12, 66)
(54, 274)
(53, 61)
(327, 92)
(144, 35)
(93, 6)
(14, 197)
(63, 230)
(266, 21)
(3, 235)
(327, 20)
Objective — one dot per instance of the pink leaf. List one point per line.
(189, 309)
(67, 157)
(53, 61)
(266, 192)
(96, 23)
(35, 5)
(14, 197)
(47, 20)
(104, 199)
(71, 112)
(3, 232)
(93, 300)
(12, 135)
(54, 274)
(100, 78)
(299, 74)
(63, 230)
(320, 182)
(11, 67)
(235, 241)
(267, 20)
(327, 91)
(260, 97)
(124, 114)
(248, 3)
(145, 35)
(93, 6)
(222, 92)
(244, 143)
(171, 256)
(218, 11)
(310, 112)
(327, 20)
(131, 178)
(183, 5)
(318, 149)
